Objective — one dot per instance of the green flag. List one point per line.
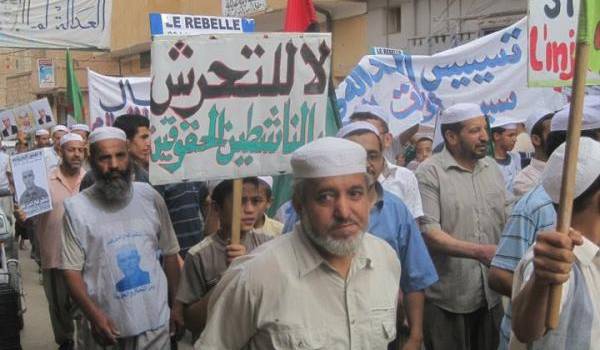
(74, 96)
(593, 32)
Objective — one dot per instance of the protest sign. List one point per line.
(230, 105)
(31, 182)
(170, 24)
(45, 73)
(113, 96)
(56, 24)
(490, 71)
(27, 118)
(241, 8)
(552, 37)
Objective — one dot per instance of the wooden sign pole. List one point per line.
(236, 214)
(570, 166)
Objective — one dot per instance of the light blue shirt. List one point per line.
(533, 213)
(391, 221)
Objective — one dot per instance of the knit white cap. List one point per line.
(588, 168)
(460, 112)
(357, 126)
(41, 132)
(106, 133)
(329, 156)
(70, 137)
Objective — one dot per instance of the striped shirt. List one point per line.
(533, 213)
(184, 201)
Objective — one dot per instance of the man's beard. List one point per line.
(113, 186)
(470, 152)
(337, 247)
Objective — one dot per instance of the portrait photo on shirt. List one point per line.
(31, 182)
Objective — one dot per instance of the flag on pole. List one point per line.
(74, 96)
(592, 8)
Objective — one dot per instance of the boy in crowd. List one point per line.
(265, 224)
(206, 262)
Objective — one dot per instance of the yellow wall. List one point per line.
(349, 41)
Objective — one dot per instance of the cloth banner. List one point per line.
(229, 106)
(490, 71)
(112, 96)
(27, 118)
(31, 182)
(552, 36)
(56, 24)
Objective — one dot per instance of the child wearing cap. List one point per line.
(265, 224)
(206, 262)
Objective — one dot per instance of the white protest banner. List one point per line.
(172, 24)
(27, 118)
(241, 8)
(31, 182)
(230, 106)
(490, 71)
(46, 73)
(56, 24)
(113, 96)
(552, 37)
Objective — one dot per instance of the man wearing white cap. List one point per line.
(114, 234)
(572, 259)
(42, 138)
(504, 136)
(396, 179)
(590, 124)
(538, 126)
(327, 284)
(63, 183)
(464, 202)
(53, 154)
(82, 130)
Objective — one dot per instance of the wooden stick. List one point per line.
(570, 166)
(236, 214)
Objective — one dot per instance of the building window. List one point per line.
(145, 60)
(394, 20)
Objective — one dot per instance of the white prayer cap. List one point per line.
(329, 156)
(460, 112)
(505, 124)
(588, 168)
(106, 133)
(80, 127)
(373, 110)
(591, 115)
(70, 137)
(59, 128)
(423, 135)
(535, 117)
(357, 126)
(42, 132)
(267, 180)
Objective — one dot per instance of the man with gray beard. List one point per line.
(114, 234)
(327, 284)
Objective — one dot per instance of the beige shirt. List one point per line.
(271, 227)
(286, 296)
(470, 206)
(206, 262)
(528, 178)
(50, 225)
(588, 260)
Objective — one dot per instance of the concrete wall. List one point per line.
(431, 26)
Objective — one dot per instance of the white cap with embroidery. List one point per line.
(80, 127)
(357, 126)
(460, 112)
(59, 128)
(70, 137)
(42, 132)
(106, 133)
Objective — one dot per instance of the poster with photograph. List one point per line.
(42, 113)
(46, 73)
(9, 127)
(24, 118)
(31, 182)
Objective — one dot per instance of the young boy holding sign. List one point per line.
(206, 262)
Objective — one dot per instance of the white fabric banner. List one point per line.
(113, 96)
(490, 71)
(56, 24)
(27, 118)
(229, 106)
(552, 37)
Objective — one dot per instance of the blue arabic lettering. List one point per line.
(500, 105)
